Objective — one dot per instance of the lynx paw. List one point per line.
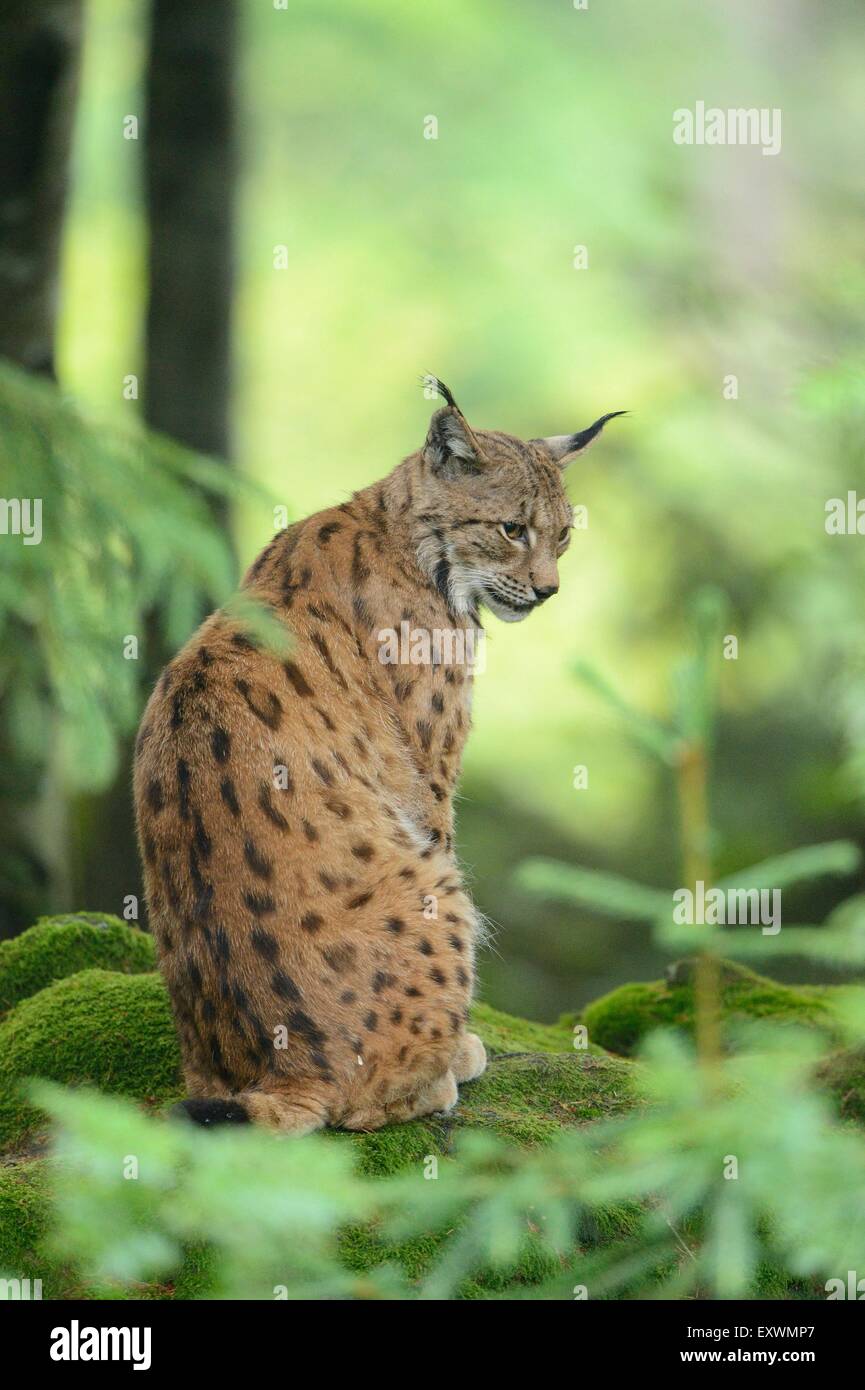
(470, 1059)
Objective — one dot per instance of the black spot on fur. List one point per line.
(310, 832)
(396, 1016)
(425, 947)
(438, 976)
(348, 996)
(324, 652)
(270, 713)
(222, 947)
(363, 613)
(265, 944)
(220, 742)
(455, 942)
(412, 993)
(359, 567)
(203, 842)
(297, 679)
(183, 788)
(338, 808)
(382, 980)
(462, 977)
(359, 901)
(301, 1023)
(323, 773)
(325, 532)
(265, 803)
(260, 866)
(284, 986)
(363, 851)
(396, 925)
(155, 798)
(438, 702)
(229, 796)
(203, 901)
(424, 733)
(370, 1023)
(311, 922)
(260, 904)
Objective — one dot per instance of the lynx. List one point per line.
(295, 812)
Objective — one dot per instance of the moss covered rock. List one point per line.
(619, 1021)
(115, 1031)
(99, 1027)
(61, 946)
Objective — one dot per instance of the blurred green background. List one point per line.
(456, 255)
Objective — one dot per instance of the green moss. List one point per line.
(503, 1033)
(98, 1027)
(25, 1207)
(843, 1075)
(59, 946)
(620, 1020)
(528, 1099)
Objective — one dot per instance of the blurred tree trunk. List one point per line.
(190, 167)
(189, 176)
(40, 49)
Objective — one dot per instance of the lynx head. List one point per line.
(492, 512)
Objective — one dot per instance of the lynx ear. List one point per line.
(562, 448)
(451, 448)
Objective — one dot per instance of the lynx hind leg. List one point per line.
(470, 1059)
(292, 1110)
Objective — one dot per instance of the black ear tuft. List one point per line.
(584, 437)
(432, 383)
(564, 447)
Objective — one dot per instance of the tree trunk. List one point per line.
(40, 46)
(190, 165)
(189, 173)
(40, 49)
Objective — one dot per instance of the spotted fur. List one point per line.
(295, 812)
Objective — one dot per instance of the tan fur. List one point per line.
(314, 932)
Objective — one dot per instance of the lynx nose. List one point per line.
(541, 595)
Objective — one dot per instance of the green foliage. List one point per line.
(126, 532)
(622, 1020)
(558, 1169)
(678, 1197)
(59, 946)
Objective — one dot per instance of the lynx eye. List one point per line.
(565, 532)
(514, 530)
